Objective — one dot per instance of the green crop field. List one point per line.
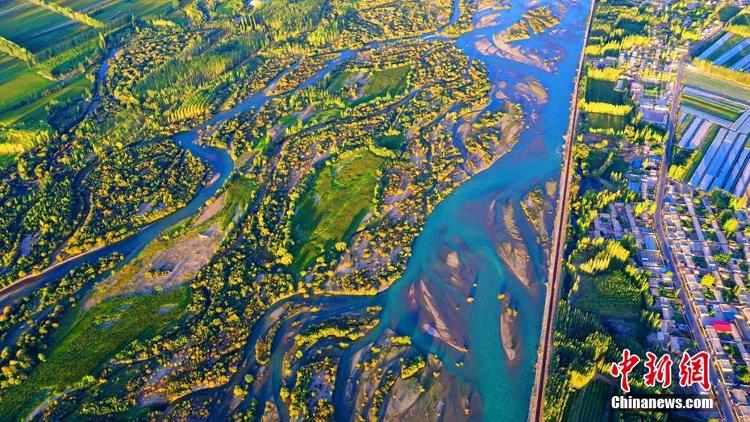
(707, 82)
(88, 339)
(83, 5)
(141, 8)
(605, 121)
(35, 111)
(610, 296)
(342, 193)
(10, 67)
(598, 90)
(722, 110)
(25, 83)
(591, 403)
(35, 27)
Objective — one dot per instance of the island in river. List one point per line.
(274, 211)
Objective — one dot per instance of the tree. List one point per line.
(722, 258)
(730, 226)
(708, 280)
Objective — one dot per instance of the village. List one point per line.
(687, 217)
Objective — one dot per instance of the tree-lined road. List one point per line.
(558, 244)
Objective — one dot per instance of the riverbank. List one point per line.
(558, 244)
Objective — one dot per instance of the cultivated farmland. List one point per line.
(50, 52)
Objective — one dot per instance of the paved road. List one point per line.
(695, 327)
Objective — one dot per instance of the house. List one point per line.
(722, 326)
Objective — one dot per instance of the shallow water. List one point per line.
(457, 224)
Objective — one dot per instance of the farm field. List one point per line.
(110, 10)
(10, 67)
(591, 403)
(611, 296)
(599, 90)
(720, 109)
(712, 147)
(35, 111)
(702, 80)
(730, 50)
(24, 83)
(35, 27)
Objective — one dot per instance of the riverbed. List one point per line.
(465, 220)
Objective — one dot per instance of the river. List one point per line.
(463, 222)
(457, 224)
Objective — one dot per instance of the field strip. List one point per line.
(741, 63)
(699, 172)
(69, 13)
(708, 116)
(721, 98)
(741, 186)
(14, 8)
(717, 160)
(745, 127)
(740, 122)
(715, 46)
(732, 52)
(700, 136)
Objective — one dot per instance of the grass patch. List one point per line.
(341, 195)
(740, 25)
(87, 340)
(392, 142)
(727, 12)
(602, 121)
(379, 83)
(631, 26)
(240, 191)
(385, 82)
